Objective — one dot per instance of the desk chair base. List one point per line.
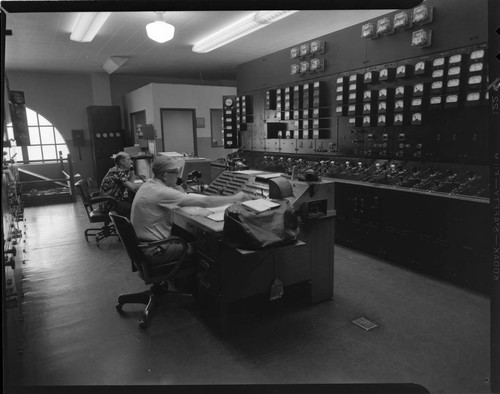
(100, 233)
(151, 298)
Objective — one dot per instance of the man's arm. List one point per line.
(132, 186)
(200, 200)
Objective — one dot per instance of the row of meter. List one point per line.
(402, 94)
(449, 179)
(237, 112)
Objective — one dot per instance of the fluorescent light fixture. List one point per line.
(159, 30)
(88, 25)
(244, 26)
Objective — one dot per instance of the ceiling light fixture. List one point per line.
(88, 25)
(244, 26)
(159, 30)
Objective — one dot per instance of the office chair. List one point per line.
(156, 275)
(95, 214)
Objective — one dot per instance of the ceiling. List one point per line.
(40, 41)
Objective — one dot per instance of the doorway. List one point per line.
(137, 119)
(178, 130)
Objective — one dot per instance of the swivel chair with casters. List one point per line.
(156, 275)
(95, 214)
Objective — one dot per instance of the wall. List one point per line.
(63, 98)
(444, 134)
(456, 23)
(155, 96)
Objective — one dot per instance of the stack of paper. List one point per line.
(260, 205)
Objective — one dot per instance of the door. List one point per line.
(178, 130)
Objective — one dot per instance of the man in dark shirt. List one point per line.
(119, 184)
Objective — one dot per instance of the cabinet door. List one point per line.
(106, 136)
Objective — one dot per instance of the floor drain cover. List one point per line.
(364, 323)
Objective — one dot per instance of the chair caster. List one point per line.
(119, 307)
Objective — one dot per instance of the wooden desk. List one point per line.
(230, 274)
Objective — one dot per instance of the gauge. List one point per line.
(437, 85)
(367, 94)
(418, 88)
(475, 79)
(438, 62)
(317, 46)
(304, 66)
(382, 93)
(294, 52)
(416, 102)
(384, 72)
(436, 100)
(452, 83)
(454, 71)
(316, 64)
(353, 78)
(105, 135)
(455, 59)
(229, 102)
(401, 70)
(338, 109)
(340, 88)
(398, 118)
(475, 67)
(339, 97)
(382, 105)
(352, 96)
(437, 73)
(399, 104)
(111, 134)
(98, 135)
(340, 80)
(368, 76)
(294, 69)
(352, 86)
(351, 108)
(381, 119)
(420, 66)
(400, 90)
(401, 20)
(367, 108)
(304, 49)
(478, 54)
(452, 98)
(474, 96)
(417, 116)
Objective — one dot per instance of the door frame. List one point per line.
(195, 133)
(132, 137)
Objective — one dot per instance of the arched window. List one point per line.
(45, 141)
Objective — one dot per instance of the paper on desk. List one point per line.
(217, 214)
(196, 211)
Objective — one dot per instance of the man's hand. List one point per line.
(241, 196)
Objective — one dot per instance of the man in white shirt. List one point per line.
(154, 202)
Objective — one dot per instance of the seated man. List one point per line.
(153, 204)
(119, 184)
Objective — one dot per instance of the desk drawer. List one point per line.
(207, 244)
(208, 273)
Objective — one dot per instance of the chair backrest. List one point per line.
(139, 261)
(83, 189)
(128, 237)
